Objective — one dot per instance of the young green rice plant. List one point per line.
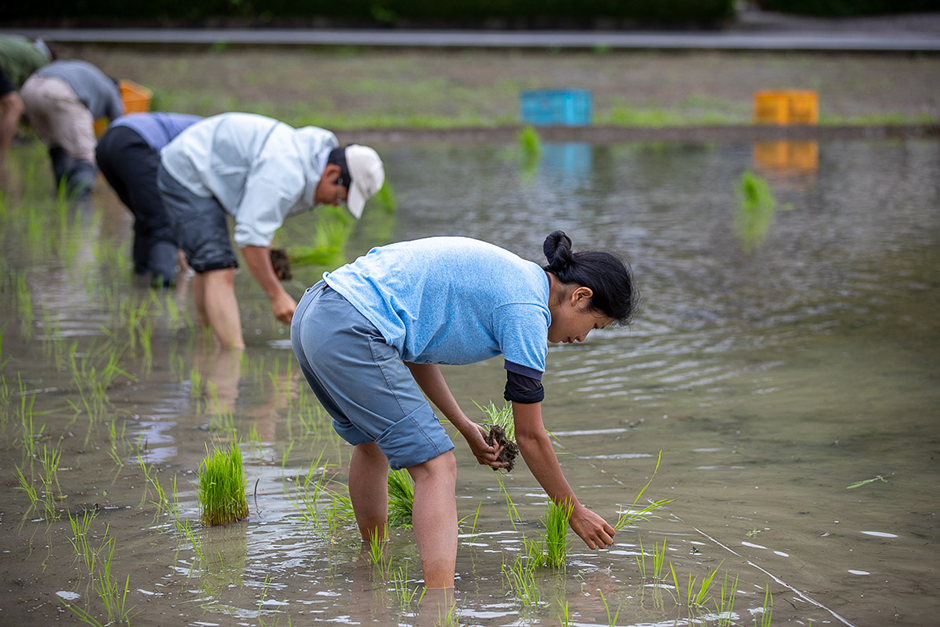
(640, 557)
(31, 436)
(51, 458)
(702, 596)
(311, 417)
(859, 484)
(377, 555)
(611, 620)
(114, 439)
(6, 397)
(286, 454)
(476, 516)
(24, 304)
(499, 416)
(724, 606)
(222, 486)
(531, 147)
(631, 514)
(564, 616)
(401, 498)
(93, 375)
(329, 238)
(3, 362)
(511, 510)
(112, 594)
(659, 558)
(386, 197)
(79, 540)
(534, 552)
(556, 533)
(756, 210)
(324, 520)
(767, 609)
(404, 592)
(223, 418)
(188, 531)
(26, 485)
(521, 579)
(448, 617)
(693, 597)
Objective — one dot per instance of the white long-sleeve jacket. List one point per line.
(259, 169)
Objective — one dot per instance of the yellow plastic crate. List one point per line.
(136, 99)
(786, 107)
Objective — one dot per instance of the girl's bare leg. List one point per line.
(434, 518)
(368, 489)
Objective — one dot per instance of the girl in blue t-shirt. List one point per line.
(369, 338)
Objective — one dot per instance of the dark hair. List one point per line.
(606, 274)
(338, 157)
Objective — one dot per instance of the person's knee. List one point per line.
(220, 278)
(442, 467)
(371, 452)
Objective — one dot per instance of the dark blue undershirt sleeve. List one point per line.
(523, 384)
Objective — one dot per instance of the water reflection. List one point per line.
(567, 164)
(791, 164)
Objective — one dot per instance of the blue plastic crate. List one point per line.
(555, 107)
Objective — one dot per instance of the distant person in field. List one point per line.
(369, 338)
(19, 57)
(258, 171)
(63, 100)
(128, 155)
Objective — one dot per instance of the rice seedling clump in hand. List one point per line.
(281, 264)
(502, 430)
(497, 437)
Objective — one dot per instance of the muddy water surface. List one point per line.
(776, 361)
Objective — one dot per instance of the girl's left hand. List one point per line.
(485, 453)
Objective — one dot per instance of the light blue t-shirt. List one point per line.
(452, 300)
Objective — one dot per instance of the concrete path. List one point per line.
(750, 30)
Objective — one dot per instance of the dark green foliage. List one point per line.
(381, 11)
(844, 8)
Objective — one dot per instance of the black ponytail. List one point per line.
(607, 275)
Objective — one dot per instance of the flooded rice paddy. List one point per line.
(784, 363)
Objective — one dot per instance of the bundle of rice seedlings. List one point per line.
(222, 486)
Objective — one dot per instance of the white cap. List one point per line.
(367, 174)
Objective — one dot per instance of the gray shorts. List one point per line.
(199, 223)
(362, 382)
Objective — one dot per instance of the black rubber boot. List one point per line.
(61, 163)
(162, 263)
(81, 179)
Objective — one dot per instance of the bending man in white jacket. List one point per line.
(259, 171)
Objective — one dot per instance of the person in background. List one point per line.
(369, 338)
(128, 155)
(62, 100)
(259, 171)
(19, 57)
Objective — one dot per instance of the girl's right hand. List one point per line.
(594, 530)
(486, 454)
